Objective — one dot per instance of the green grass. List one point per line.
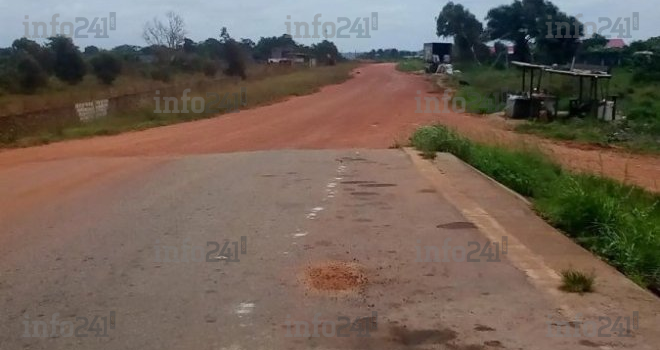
(620, 223)
(586, 130)
(410, 65)
(259, 92)
(632, 135)
(574, 281)
(640, 103)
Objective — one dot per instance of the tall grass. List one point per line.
(618, 222)
(410, 65)
(640, 102)
(259, 92)
(60, 94)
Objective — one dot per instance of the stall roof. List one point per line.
(577, 73)
(529, 65)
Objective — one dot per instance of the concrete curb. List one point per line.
(535, 247)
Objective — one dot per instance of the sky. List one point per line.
(404, 25)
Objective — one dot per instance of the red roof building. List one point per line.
(615, 44)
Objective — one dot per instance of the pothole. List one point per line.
(334, 277)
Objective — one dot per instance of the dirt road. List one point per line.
(135, 237)
(376, 109)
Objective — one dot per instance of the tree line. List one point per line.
(540, 33)
(27, 66)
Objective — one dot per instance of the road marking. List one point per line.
(244, 308)
(331, 192)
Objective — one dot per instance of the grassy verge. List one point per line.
(640, 132)
(618, 222)
(259, 92)
(410, 65)
(620, 133)
(59, 94)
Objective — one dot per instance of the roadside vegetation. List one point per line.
(512, 32)
(41, 83)
(486, 90)
(618, 222)
(410, 65)
(574, 281)
(55, 73)
(257, 92)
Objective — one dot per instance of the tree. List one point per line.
(233, 54)
(248, 43)
(69, 65)
(325, 52)
(30, 74)
(454, 20)
(211, 48)
(265, 46)
(128, 53)
(596, 42)
(43, 55)
(554, 34)
(189, 46)
(91, 50)
(107, 67)
(171, 34)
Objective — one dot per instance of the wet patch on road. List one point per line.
(377, 185)
(364, 194)
(459, 225)
(482, 328)
(589, 343)
(494, 344)
(357, 182)
(405, 336)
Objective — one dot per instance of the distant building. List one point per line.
(288, 55)
(615, 44)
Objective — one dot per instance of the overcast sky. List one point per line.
(401, 24)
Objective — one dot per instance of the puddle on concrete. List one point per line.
(364, 194)
(357, 182)
(482, 328)
(406, 336)
(459, 225)
(352, 159)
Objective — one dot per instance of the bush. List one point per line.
(30, 74)
(210, 69)
(236, 59)
(574, 281)
(69, 65)
(646, 69)
(107, 67)
(163, 74)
